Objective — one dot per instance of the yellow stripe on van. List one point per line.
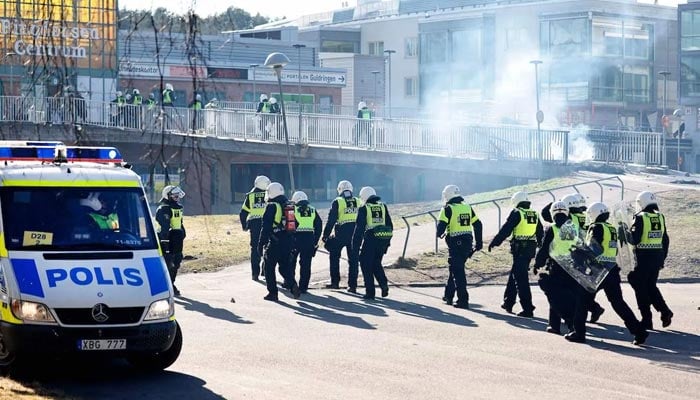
(90, 182)
(7, 316)
(3, 249)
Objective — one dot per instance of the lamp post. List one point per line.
(665, 74)
(299, 47)
(539, 115)
(679, 113)
(375, 73)
(277, 61)
(255, 94)
(389, 53)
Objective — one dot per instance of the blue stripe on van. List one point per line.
(156, 275)
(27, 277)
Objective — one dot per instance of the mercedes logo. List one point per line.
(99, 312)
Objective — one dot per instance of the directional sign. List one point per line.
(324, 78)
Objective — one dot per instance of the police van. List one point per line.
(81, 269)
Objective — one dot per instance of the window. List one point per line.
(690, 30)
(411, 47)
(690, 76)
(411, 87)
(337, 46)
(637, 87)
(376, 48)
(565, 37)
(466, 45)
(433, 47)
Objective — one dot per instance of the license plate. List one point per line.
(102, 344)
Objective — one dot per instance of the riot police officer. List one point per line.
(275, 242)
(524, 225)
(306, 236)
(650, 240)
(342, 217)
(460, 226)
(171, 232)
(251, 220)
(372, 235)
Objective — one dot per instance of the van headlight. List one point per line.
(159, 310)
(31, 311)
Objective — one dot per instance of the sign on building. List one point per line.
(324, 78)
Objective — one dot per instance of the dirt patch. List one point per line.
(11, 390)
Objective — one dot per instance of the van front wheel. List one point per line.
(7, 357)
(161, 360)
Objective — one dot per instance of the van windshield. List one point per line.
(49, 218)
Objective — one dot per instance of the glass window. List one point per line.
(566, 37)
(376, 48)
(411, 87)
(637, 87)
(411, 47)
(466, 44)
(690, 76)
(76, 219)
(690, 30)
(433, 47)
(337, 46)
(607, 84)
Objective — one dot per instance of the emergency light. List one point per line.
(58, 152)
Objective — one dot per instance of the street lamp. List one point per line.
(679, 113)
(389, 52)
(255, 94)
(277, 61)
(539, 115)
(665, 74)
(299, 47)
(375, 73)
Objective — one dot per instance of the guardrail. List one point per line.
(575, 186)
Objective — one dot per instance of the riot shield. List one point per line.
(622, 216)
(580, 263)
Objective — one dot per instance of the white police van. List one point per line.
(81, 269)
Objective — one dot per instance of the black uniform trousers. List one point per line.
(254, 227)
(518, 279)
(304, 249)
(371, 256)
(613, 291)
(343, 239)
(643, 280)
(277, 253)
(173, 255)
(459, 249)
(559, 288)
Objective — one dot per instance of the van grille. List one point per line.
(83, 316)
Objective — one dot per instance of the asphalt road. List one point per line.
(331, 344)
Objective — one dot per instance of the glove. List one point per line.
(491, 246)
(479, 246)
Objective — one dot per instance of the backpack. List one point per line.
(289, 221)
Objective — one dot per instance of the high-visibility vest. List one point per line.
(653, 230)
(461, 221)
(562, 241)
(527, 227)
(167, 99)
(579, 219)
(150, 104)
(347, 210)
(137, 100)
(266, 107)
(376, 215)
(106, 222)
(256, 207)
(197, 105)
(366, 114)
(609, 244)
(305, 216)
(176, 219)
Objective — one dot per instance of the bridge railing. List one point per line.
(496, 202)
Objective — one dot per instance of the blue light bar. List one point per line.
(46, 152)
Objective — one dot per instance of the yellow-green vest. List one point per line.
(256, 200)
(527, 227)
(609, 244)
(277, 221)
(653, 230)
(305, 217)
(366, 114)
(137, 100)
(176, 219)
(265, 107)
(561, 242)
(167, 99)
(579, 219)
(347, 210)
(376, 215)
(106, 222)
(461, 221)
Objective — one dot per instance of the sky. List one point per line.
(268, 8)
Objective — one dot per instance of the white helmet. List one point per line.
(136, 92)
(571, 200)
(261, 182)
(367, 192)
(263, 97)
(168, 86)
(171, 190)
(595, 210)
(273, 100)
(559, 207)
(450, 192)
(299, 196)
(128, 97)
(518, 197)
(198, 97)
(580, 200)
(361, 105)
(273, 190)
(645, 199)
(119, 93)
(92, 201)
(343, 186)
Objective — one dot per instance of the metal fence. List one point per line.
(495, 202)
(627, 147)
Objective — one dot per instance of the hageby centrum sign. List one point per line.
(48, 38)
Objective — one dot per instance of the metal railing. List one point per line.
(627, 147)
(495, 202)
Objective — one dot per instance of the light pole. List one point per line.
(665, 74)
(375, 73)
(299, 47)
(389, 53)
(277, 61)
(255, 94)
(539, 115)
(679, 113)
